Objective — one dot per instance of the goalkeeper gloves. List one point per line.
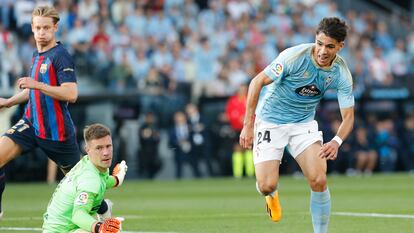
(110, 225)
(119, 172)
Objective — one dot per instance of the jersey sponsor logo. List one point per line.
(68, 69)
(277, 69)
(82, 199)
(43, 68)
(309, 91)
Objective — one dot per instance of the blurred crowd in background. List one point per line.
(185, 58)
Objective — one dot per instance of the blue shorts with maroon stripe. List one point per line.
(64, 153)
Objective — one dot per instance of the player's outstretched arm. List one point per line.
(18, 98)
(119, 173)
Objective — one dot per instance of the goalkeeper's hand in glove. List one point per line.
(119, 172)
(110, 225)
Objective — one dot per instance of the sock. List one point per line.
(248, 162)
(237, 160)
(320, 207)
(2, 185)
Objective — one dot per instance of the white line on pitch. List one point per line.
(373, 215)
(20, 229)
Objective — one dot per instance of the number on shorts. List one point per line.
(20, 126)
(266, 137)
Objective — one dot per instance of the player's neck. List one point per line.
(44, 48)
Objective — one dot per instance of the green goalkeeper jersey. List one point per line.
(77, 198)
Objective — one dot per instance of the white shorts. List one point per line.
(271, 139)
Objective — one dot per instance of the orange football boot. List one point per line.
(273, 207)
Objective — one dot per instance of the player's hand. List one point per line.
(110, 225)
(27, 82)
(329, 150)
(120, 171)
(246, 137)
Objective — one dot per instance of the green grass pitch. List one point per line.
(229, 205)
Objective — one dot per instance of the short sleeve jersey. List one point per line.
(84, 178)
(50, 117)
(299, 84)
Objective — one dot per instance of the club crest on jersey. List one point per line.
(328, 80)
(43, 68)
(277, 69)
(82, 199)
(308, 91)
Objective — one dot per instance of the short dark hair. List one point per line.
(95, 131)
(333, 27)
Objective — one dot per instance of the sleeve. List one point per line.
(111, 182)
(345, 94)
(277, 69)
(89, 182)
(64, 67)
(81, 207)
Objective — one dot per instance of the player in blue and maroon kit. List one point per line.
(46, 123)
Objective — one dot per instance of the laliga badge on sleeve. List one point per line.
(82, 199)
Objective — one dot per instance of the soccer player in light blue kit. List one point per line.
(295, 83)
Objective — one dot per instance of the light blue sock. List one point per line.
(320, 207)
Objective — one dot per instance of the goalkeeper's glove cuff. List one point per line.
(119, 172)
(97, 226)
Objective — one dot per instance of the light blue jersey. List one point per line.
(299, 84)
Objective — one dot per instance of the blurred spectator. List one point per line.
(6, 12)
(200, 138)
(206, 62)
(235, 109)
(398, 59)
(388, 143)
(223, 138)
(149, 161)
(180, 142)
(23, 14)
(11, 65)
(380, 69)
(382, 37)
(408, 139)
(87, 8)
(364, 150)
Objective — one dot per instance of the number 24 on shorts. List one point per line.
(263, 136)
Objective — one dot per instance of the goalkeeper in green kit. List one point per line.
(79, 195)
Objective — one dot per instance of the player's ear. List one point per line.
(55, 27)
(341, 45)
(86, 147)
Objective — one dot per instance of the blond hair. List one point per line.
(46, 11)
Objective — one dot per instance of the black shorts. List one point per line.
(65, 154)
